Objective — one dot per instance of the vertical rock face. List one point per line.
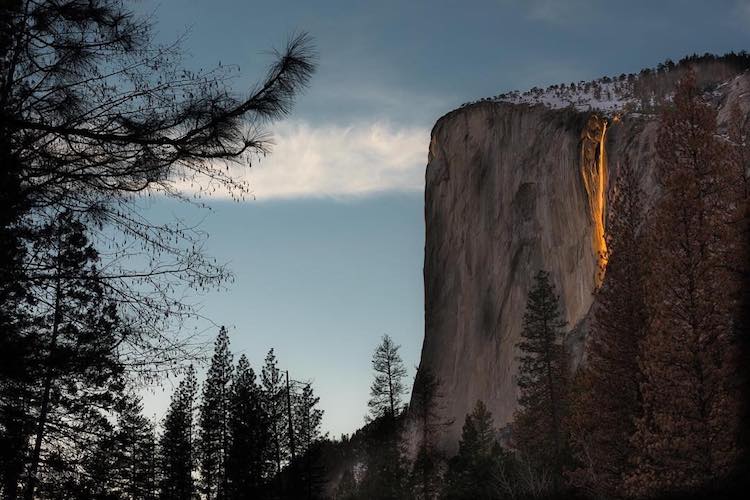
(512, 189)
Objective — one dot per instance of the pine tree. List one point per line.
(307, 418)
(426, 413)
(474, 471)
(18, 339)
(99, 463)
(687, 435)
(542, 376)
(133, 451)
(246, 467)
(388, 388)
(274, 402)
(176, 454)
(387, 472)
(213, 422)
(76, 361)
(307, 422)
(607, 399)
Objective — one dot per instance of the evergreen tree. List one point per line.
(101, 477)
(176, 454)
(607, 399)
(388, 388)
(78, 332)
(474, 472)
(246, 467)
(18, 377)
(307, 418)
(307, 421)
(387, 472)
(85, 470)
(426, 413)
(213, 422)
(274, 403)
(688, 433)
(542, 380)
(133, 451)
(17, 383)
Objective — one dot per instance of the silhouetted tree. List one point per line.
(214, 436)
(176, 453)
(387, 389)
(83, 470)
(18, 374)
(307, 418)
(307, 421)
(274, 403)
(100, 461)
(542, 380)
(386, 469)
(133, 470)
(76, 342)
(247, 467)
(476, 471)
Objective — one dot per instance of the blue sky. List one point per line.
(328, 256)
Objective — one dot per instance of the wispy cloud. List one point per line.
(333, 161)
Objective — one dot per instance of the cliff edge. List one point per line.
(512, 188)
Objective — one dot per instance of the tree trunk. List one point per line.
(44, 408)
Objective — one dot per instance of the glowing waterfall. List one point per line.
(594, 173)
(601, 199)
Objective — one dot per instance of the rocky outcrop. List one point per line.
(511, 189)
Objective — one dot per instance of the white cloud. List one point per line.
(332, 161)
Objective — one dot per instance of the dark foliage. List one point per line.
(176, 447)
(542, 380)
(214, 421)
(249, 430)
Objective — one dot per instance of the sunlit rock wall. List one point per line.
(511, 189)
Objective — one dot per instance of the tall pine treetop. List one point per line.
(388, 388)
(214, 432)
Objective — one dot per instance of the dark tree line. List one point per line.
(229, 451)
(217, 444)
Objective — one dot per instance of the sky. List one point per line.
(328, 251)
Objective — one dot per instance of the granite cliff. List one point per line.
(513, 187)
